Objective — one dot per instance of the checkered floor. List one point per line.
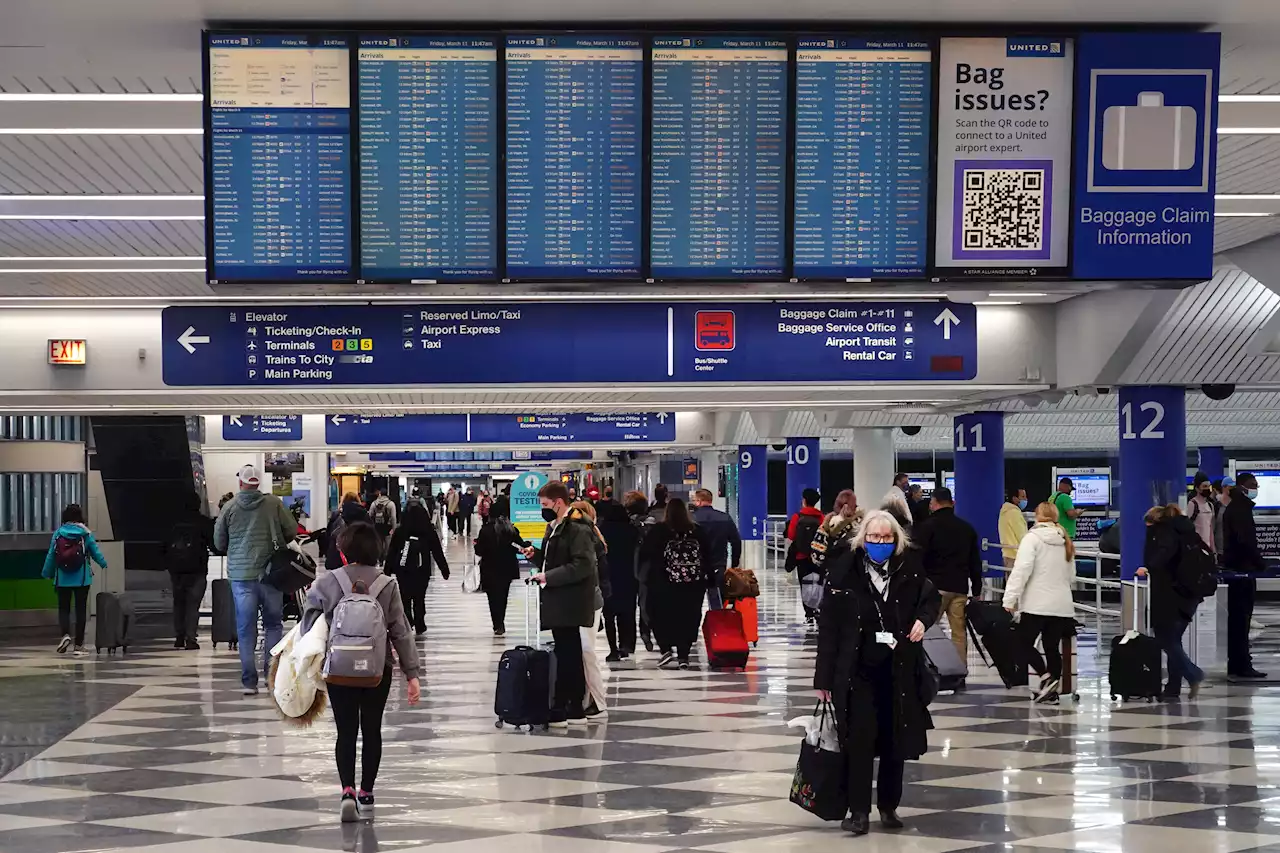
(159, 751)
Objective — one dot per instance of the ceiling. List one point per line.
(152, 47)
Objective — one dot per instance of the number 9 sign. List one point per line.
(746, 458)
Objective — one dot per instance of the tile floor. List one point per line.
(159, 751)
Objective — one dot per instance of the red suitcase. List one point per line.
(725, 639)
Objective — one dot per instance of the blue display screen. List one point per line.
(428, 155)
(574, 117)
(719, 143)
(862, 158)
(279, 152)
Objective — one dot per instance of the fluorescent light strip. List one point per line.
(994, 295)
(996, 302)
(4, 271)
(428, 299)
(103, 97)
(1248, 131)
(81, 259)
(101, 131)
(1249, 99)
(1247, 197)
(103, 197)
(1248, 214)
(108, 217)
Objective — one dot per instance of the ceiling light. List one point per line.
(80, 259)
(4, 271)
(101, 131)
(121, 217)
(1248, 131)
(101, 97)
(1018, 295)
(1249, 99)
(997, 302)
(1247, 196)
(1242, 213)
(102, 197)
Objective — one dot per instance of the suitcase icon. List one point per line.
(1149, 136)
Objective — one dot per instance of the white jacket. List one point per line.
(1040, 582)
(298, 676)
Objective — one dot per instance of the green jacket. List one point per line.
(249, 530)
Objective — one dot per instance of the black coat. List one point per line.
(350, 512)
(652, 555)
(1161, 554)
(848, 621)
(409, 557)
(568, 557)
(495, 546)
(1240, 552)
(623, 539)
(949, 552)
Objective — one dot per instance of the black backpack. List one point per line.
(185, 552)
(807, 527)
(1196, 574)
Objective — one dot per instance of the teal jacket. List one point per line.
(82, 576)
(249, 529)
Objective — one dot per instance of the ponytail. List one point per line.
(1068, 545)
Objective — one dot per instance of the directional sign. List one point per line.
(395, 429)
(262, 428)
(686, 342)
(593, 427)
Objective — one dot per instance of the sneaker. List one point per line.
(1048, 686)
(1193, 689)
(1049, 699)
(349, 810)
(179, 643)
(364, 805)
(613, 657)
(78, 652)
(558, 720)
(594, 712)
(647, 639)
(667, 657)
(251, 691)
(684, 664)
(64, 645)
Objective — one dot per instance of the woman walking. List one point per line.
(871, 665)
(592, 670)
(676, 552)
(359, 709)
(497, 547)
(1039, 590)
(67, 564)
(414, 545)
(1170, 537)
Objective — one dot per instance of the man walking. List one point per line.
(725, 542)
(1242, 555)
(952, 559)
(249, 530)
(383, 511)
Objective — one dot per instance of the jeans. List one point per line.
(81, 596)
(188, 592)
(953, 605)
(1181, 667)
(1240, 595)
(250, 597)
(359, 709)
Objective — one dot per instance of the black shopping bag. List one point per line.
(820, 785)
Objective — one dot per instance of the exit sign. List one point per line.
(68, 351)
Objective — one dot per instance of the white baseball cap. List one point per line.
(248, 476)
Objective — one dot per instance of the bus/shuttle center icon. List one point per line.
(713, 331)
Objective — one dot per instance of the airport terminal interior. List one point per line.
(957, 321)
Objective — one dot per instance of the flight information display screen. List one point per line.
(719, 157)
(574, 119)
(428, 154)
(861, 158)
(279, 153)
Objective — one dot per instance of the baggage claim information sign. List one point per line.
(679, 343)
(1004, 156)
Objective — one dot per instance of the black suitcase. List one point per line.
(1002, 646)
(1135, 668)
(982, 616)
(112, 621)
(224, 614)
(526, 678)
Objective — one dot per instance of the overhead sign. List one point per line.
(831, 341)
(395, 429)
(523, 456)
(1004, 155)
(73, 351)
(1146, 155)
(578, 427)
(261, 427)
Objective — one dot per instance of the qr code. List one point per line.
(1003, 209)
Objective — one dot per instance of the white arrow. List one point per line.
(946, 320)
(189, 337)
(662, 417)
(235, 421)
(337, 420)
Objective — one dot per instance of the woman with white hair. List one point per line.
(871, 664)
(895, 503)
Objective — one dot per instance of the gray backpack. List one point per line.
(357, 652)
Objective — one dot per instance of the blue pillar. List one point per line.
(753, 490)
(978, 442)
(1213, 462)
(803, 469)
(1153, 461)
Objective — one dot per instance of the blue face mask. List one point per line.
(878, 552)
(1253, 494)
(1022, 504)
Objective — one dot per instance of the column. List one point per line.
(872, 465)
(978, 442)
(753, 502)
(804, 469)
(709, 474)
(1213, 462)
(1153, 461)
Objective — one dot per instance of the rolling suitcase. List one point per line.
(750, 610)
(725, 639)
(942, 653)
(526, 677)
(1136, 663)
(112, 620)
(224, 615)
(1003, 652)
